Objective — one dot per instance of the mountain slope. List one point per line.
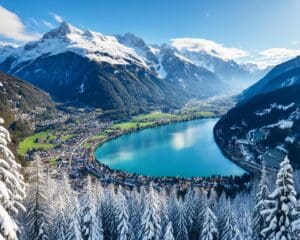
(236, 76)
(283, 75)
(18, 97)
(90, 69)
(266, 127)
(120, 72)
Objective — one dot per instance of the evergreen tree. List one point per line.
(150, 228)
(190, 206)
(201, 209)
(164, 209)
(260, 206)
(181, 230)
(38, 205)
(280, 213)
(108, 217)
(122, 218)
(99, 198)
(89, 222)
(296, 222)
(169, 232)
(72, 214)
(172, 206)
(135, 210)
(12, 188)
(60, 224)
(230, 230)
(52, 192)
(209, 228)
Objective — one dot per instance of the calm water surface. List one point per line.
(184, 149)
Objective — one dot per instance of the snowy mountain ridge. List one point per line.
(121, 71)
(118, 49)
(92, 45)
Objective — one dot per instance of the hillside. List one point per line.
(283, 75)
(20, 104)
(266, 127)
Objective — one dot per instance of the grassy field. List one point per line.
(131, 125)
(154, 116)
(66, 137)
(99, 137)
(30, 142)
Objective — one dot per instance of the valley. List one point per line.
(165, 134)
(68, 146)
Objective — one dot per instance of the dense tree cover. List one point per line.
(112, 212)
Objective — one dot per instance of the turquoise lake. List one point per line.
(186, 149)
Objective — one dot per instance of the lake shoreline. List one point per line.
(101, 164)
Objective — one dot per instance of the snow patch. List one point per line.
(283, 124)
(290, 139)
(274, 106)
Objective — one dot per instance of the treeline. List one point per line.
(56, 211)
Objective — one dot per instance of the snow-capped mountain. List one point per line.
(283, 75)
(67, 38)
(116, 72)
(6, 49)
(234, 75)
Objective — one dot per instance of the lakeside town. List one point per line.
(67, 144)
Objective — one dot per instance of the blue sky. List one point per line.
(257, 26)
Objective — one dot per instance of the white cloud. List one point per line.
(57, 17)
(12, 27)
(274, 56)
(47, 24)
(208, 46)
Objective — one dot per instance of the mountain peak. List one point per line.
(62, 30)
(130, 39)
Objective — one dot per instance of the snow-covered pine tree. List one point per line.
(164, 214)
(230, 230)
(209, 229)
(201, 206)
(73, 231)
(108, 218)
(52, 191)
(135, 210)
(150, 228)
(169, 232)
(12, 188)
(280, 213)
(99, 198)
(72, 213)
(242, 209)
(90, 229)
(260, 204)
(296, 222)
(171, 205)
(123, 226)
(190, 206)
(180, 225)
(213, 200)
(221, 210)
(60, 224)
(38, 204)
